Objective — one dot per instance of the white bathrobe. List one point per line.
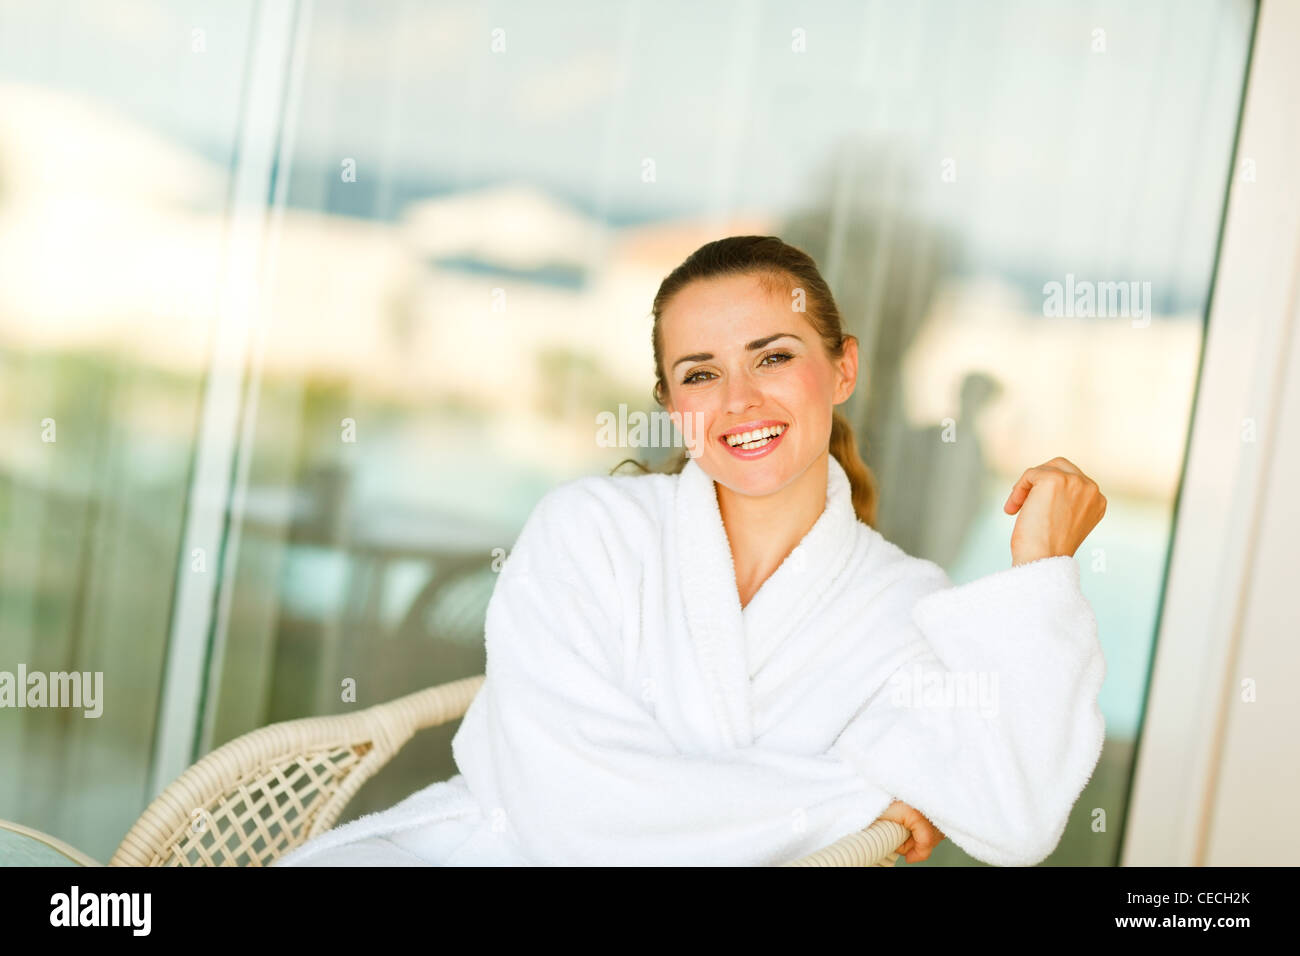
(635, 714)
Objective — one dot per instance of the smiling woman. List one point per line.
(794, 365)
(763, 404)
(210, 533)
(750, 584)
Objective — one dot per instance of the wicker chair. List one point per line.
(262, 794)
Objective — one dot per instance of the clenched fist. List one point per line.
(1059, 506)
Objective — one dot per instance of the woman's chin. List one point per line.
(756, 478)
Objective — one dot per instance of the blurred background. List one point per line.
(322, 297)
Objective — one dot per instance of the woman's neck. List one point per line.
(763, 531)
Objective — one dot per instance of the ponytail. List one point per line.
(844, 446)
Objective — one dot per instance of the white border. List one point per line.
(1223, 495)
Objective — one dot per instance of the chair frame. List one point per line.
(52, 843)
(267, 792)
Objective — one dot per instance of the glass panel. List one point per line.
(484, 199)
(117, 126)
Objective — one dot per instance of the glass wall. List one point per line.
(117, 132)
(1017, 207)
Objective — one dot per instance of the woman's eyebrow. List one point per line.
(756, 344)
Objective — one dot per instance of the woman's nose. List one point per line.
(742, 392)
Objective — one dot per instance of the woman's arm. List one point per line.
(990, 725)
(1002, 769)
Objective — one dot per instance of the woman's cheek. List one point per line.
(695, 421)
(804, 392)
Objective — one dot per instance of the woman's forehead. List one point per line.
(733, 307)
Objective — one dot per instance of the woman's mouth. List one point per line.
(756, 442)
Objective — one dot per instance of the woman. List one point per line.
(726, 664)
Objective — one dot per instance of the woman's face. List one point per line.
(737, 359)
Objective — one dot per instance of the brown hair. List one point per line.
(773, 263)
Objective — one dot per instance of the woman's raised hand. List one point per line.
(1059, 506)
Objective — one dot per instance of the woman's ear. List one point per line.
(671, 409)
(847, 366)
(674, 416)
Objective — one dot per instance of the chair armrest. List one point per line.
(874, 846)
(47, 842)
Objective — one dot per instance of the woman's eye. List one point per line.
(783, 357)
(694, 377)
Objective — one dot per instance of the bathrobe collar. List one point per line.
(734, 643)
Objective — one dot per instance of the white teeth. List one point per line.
(756, 438)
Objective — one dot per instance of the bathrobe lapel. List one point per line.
(792, 601)
(733, 644)
(712, 603)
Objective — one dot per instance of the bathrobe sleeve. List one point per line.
(582, 774)
(999, 775)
